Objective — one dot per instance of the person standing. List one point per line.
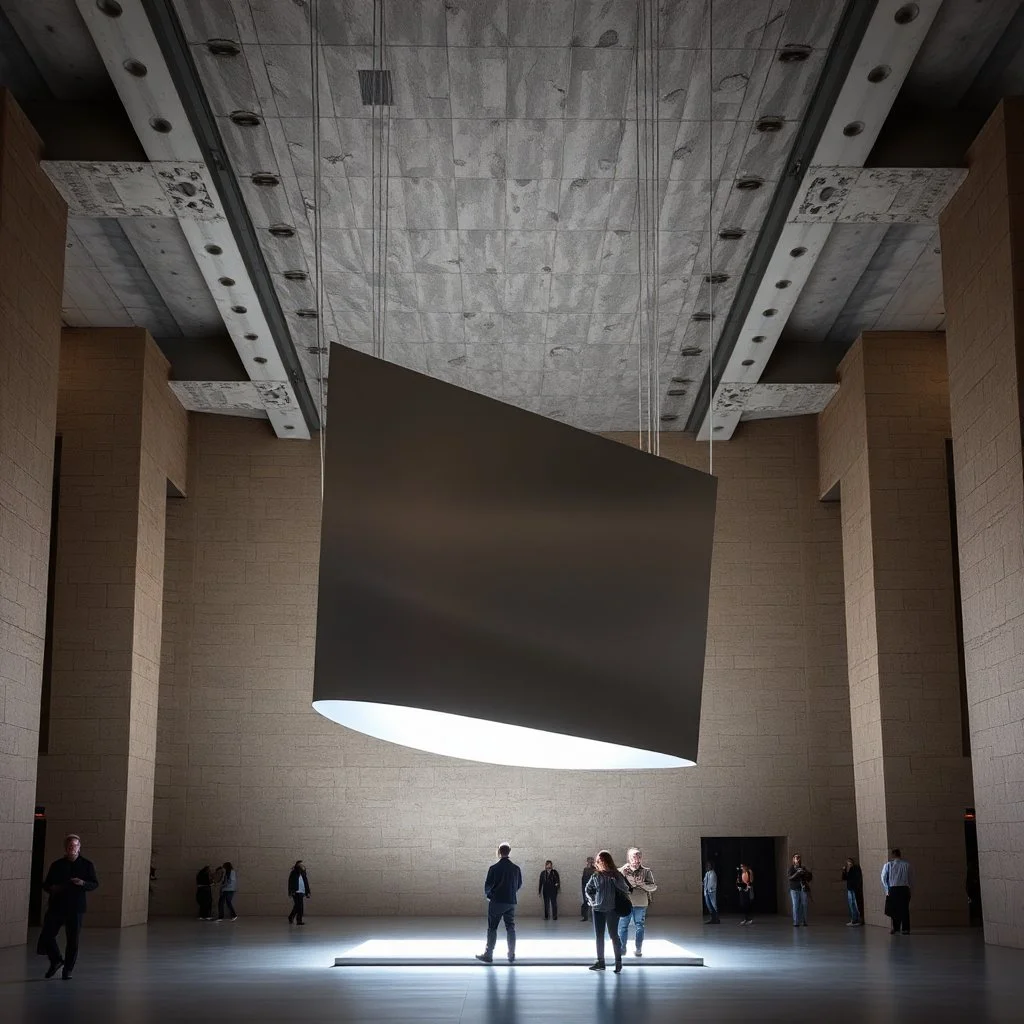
(799, 890)
(228, 885)
(66, 883)
(204, 892)
(601, 891)
(897, 881)
(854, 879)
(640, 880)
(588, 870)
(745, 887)
(299, 891)
(501, 887)
(710, 887)
(548, 887)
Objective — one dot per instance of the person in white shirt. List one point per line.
(897, 881)
(710, 886)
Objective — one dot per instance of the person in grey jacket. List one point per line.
(600, 893)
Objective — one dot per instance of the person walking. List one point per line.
(854, 879)
(66, 883)
(501, 887)
(588, 870)
(548, 887)
(640, 880)
(603, 889)
(710, 888)
(799, 890)
(897, 881)
(298, 891)
(204, 892)
(228, 885)
(745, 887)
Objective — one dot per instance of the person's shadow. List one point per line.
(501, 999)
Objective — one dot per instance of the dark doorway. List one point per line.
(974, 907)
(727, 853)
(35, 893)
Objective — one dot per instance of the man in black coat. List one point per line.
(67, 882)
(299, 891)
(588, 870)
(504, 880)
(548, 887)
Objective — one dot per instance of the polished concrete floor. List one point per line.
(260, 970)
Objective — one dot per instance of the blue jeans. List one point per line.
(851, 902)
(711, 901)
(799, 900)
(639, 918)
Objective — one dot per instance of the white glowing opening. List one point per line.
(570, 950)
(475, 739)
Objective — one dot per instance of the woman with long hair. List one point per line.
(227, 892)
(601, 890)
(745, 886)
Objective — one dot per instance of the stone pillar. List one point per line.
(32, 233)
(883, 441)
(123, 437)
(983, 283)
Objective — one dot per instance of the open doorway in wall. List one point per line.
(35, 892)
(974, 906)
(727, 853)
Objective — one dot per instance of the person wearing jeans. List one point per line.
(799, 890)
(227, 892)
(710, 887)
(601, 897)
(640, 879)
(854, 879)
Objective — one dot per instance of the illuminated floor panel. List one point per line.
(529, 953)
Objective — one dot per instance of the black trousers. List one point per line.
(204, 897)
(225, 900)
(551, 904)
(297, 901)
(496, 912)
(585, 910)
(610, 920)
(53, 922)
(899, 904)
(747, 906)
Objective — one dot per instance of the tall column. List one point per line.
(983, 284)
(123, 437)
(32, 230)
(883, 440)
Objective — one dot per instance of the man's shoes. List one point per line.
(235, 918)
(511, 958)
(485, 958)
(597, 965)
(907, 932)
(54, 968)
(66, 976)
(637, 952)
(618, 966)
(851, 924)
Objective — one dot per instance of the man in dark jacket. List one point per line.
(504, 880)
(548, 887)
(854, 879)
(299, 891)
(588, 870)
(67, 882)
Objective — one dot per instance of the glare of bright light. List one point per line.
(569, 950)
(475, 739)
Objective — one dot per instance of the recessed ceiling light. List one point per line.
(314, 350)
(160, 124)
(306, 314)
(245, 118)
(731, 234)
(783, 284)
(239, 310)
(214, 250)
(682, 380)
(223, 47)
(264, 179)
(769, 312)
(799, 251)
(675, 392)
(716, 278)
(669, 417)
(186, 188)
(718, 428)
(853, 128)
(281, 230)
(906, 14)
(879, 73)
(794, 54)
(747, 362)
(289, 426)
(259, 359)
(110, 8)
(228, 282)
(690, 350)
(135, 68)
(701, 318)
(295, 275)
(757, 339)
(769, 125)
(749, 184)
(251, 337)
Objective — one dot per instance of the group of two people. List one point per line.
(226, 879)
(614, 898)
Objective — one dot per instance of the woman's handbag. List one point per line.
(623, 904)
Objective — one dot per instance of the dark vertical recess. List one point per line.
(965, 720)
(51, 582)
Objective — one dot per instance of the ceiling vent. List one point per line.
(296, 275)
(282, 230)
(731, 234)
(245, 118)
(716, 278)
(264, 179)
(691, 350)
(223, 47)
(794, 54)
(375, 88)
(769, 125)
(701, 318)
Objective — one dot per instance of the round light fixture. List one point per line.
(214, 250)
(749, 184)
(879, 73)
(223, 47)
(794, 54)
(701, 318)
(281, 230)
(690, 350)
(747, 362)
(135, 68)
(264, 179)
(228, 282)
(259, 359)
(731, 234)
(295, 275)
(769, 312)
(669, 417)
(160, 124)
(306, 314)
(769, 125)
(783, 284)
(906, 14)
(239, 310)
(853, 128)
(244, 118)
(716, 278)
(110, 8)
(758, 338)
(799, 251)
(251, 337)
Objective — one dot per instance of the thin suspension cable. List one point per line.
(711, 236)
(386, 143)
(318, 268)
(639, 268)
